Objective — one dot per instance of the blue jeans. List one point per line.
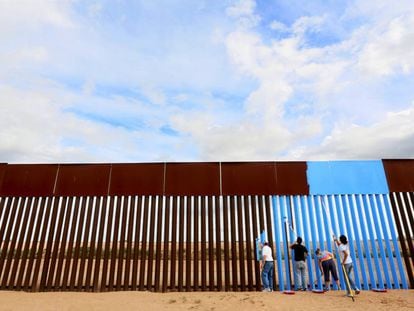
(348, 269)
(300, 270)
(267, 275)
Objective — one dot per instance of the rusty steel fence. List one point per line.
(189, 226)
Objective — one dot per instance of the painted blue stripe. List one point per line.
(289, 204)
(346, 177)
(391, 222)
(379, 239)
(350, 230)
(367, 208)
(316, 207)
(285, 248)
(365, 240)
(314, 240)
(380, 208)
(358, 243)
(338, 208)
(329, 220)
(297, 228)
(277, 222)
(306, 239)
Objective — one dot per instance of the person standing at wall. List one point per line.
(328, 267)
(346, 259)
(300, 255)
(266, 266)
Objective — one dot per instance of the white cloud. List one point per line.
(390, 48)
(74, 87)
(393, 137)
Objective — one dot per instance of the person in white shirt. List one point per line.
(346, 260)
(266, 265)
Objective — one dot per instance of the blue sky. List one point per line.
(149, 81)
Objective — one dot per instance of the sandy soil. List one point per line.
(211, 301)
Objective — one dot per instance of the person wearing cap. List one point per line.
(300, 254)
(266, 266)
(327, 267)
(343, 247)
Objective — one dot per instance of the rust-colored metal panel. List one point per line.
(67, 244)
(120, 278)
(188, 247)
(138, 210)
(241, 246)
(5, 234)
(203, 245)
(84, 254)
(192, 179)
(2, 172)
(14, 241)
(74, 277)
(248, 178)
(291, 178)
(234, 278)
(144, 244)
(83, 179)
(210, 245)
(71, 246)
(18, 250)
(50, 246)
(39, 259)
(255, 233)
(181, 225)
(33, 180)
(151, 243)
(400, 227)
(248, 242)
(99, 245)
(31, 236)
(400, 175)
(108, 247)
(195, 242)
(166, 245)
(129, 243)
(158, 245)
(137, 179)
(218, 244)
(226, 244)
(174, 225)
(114, 250)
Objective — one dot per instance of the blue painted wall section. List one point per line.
(346, 177)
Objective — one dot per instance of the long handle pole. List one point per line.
(348, 285)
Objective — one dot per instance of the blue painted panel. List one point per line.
(346, 177)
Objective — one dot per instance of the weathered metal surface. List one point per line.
(28, 179)
(291, 178)
(137, 179)
(82, 179)
(400, 175)
(192, 179)
(129, 241)
(248, 178)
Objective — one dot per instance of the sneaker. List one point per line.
(266, 290)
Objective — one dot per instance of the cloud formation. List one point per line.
(187, 81)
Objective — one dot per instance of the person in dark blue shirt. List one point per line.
(300, 255)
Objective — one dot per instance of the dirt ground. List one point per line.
(211, 301)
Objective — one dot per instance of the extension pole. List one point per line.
(288, 255)
(348, 285)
